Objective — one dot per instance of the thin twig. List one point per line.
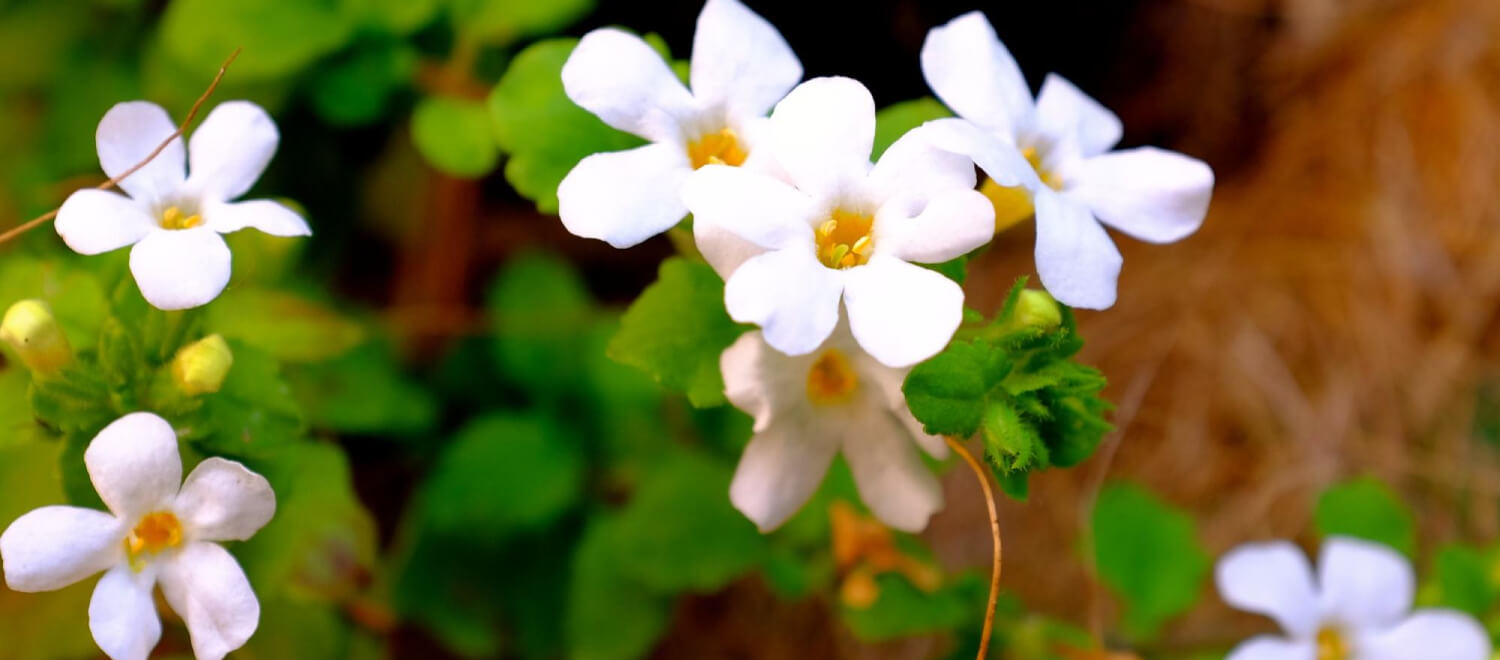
(181, 128)
(989, 500)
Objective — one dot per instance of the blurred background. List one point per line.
(1333, 323)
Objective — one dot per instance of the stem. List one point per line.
(989, 500)
(181, 128)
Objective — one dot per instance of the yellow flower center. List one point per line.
(154, 533)
(832, 379)
(173, 218)
(1332, 645)
(721, 148)
(1013, 204)
(844, 240)
(1035, 158)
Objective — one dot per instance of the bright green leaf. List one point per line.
(503, 475)
(1464, 582)
(252, 414)
(1149, 554)
(677, 330)
(948, 393)
(1367, 509)
(278, 38)
(454, 136)
(283, 325)
(501, 21)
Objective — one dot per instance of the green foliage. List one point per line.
(454, 136)
(362, 391)
(1149, 554)
(356, 87)
(541, 312)
(278, 38)
(1011, 380)
(1465, 580)
(283, 325)
(540, 129)
(677, 330)
(609, 615)
(893, 121)
(1367, 509)
(903, 610)
(501, 21)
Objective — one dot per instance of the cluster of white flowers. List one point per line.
(820, 247)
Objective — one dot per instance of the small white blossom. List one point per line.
(174, 218)
(1056, 148)
(809, 407)
(841, 232)
(740, 68)
(159, 530)
(1356, 608)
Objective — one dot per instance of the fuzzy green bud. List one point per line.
(200, 367)
(32, 331)
(1036, 309)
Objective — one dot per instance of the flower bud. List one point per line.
(30, 328)
(200, 367)
(1036, 309)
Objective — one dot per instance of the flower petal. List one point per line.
(1274, 579)
(1266, 647)
(1364, 584)
(122, 615)
(757, 378)
(208, 589)
(901, 314)
(223, 500)
(1000, 159)
(625, 197)
(181, 269)
(270, 217)
(972, 72)
(739, 59)
(790, 295)
(890, 475)
(888, 381)
(134, 465)
(724, 250)
(781, 468)
(1075, 258)
(55, 546)
(917, 167)
(822, 134)
(127, 134)
(1154, 195)
(1445, 634)
(949, 226)
(618, 77)
(753, 206)
(97, 221)
(230, 150)
(1080, 125)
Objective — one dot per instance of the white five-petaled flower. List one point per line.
(159, 530)
(839, 230)
(1056, 149)
(1357, 607)
(809, 407)
(174, 218)
(740, 68)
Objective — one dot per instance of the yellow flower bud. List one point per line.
(30, 328)
(1037, 309)
(200, 367)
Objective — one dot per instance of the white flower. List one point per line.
(842, 230)
(740, 68)
(172, 218)
(155, 533)
(1057, 149)
(1357, 608)
(809, 407)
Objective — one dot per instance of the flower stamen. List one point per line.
(719, 148)
(1332, 645)
(1051, 179)
(832, 379)
(154, 533)
(173, 218)
(844, 240)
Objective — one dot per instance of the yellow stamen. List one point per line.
(154, 533)
(1050, 178)
(832, 379)
(1013, 203)
(844, 240)
(720, 148)
(172, 218)
(1332, 645)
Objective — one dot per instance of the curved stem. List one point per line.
(114, 181)
(989, 500)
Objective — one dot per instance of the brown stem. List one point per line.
(181, 128)
(989, 500)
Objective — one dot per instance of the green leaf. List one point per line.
(949, 392)
(356, 88)
(454, 136)
(1009, 441)
(1149, 554)
(252, 415)
(283, 325)
(542, 314)
(677, 330)
(503, 475)
(18, 425)
(1367, 509)
(75, 295)
(609, 615)
(1464, 582)
(396, 16)
(362, 391)
(680, 532)
(541, 129)
(278, 38)
(895, 120)
(902, 610)
(501, 21)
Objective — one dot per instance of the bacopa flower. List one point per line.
(1055, 151)
(740, 68)
(1357, 607)
(174, 218)
(154, 533)
(841, 230)
(808, 408)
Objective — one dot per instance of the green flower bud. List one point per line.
(30, 328)
(1036, 309)
(200, 367)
